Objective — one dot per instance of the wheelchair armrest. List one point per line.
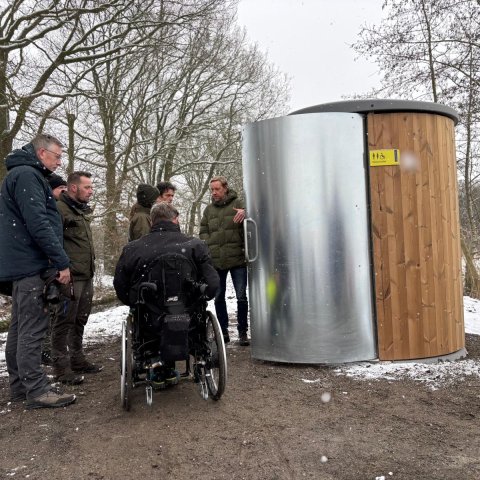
(149, 286)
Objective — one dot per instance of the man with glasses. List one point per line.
(31, 242)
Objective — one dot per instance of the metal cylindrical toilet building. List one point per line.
(353, 233)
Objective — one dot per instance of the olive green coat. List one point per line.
(140, 223)
(77, 237)
(224, 238)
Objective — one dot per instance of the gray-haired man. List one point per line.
(30, 243)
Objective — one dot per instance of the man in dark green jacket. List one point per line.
(221, 228)
(69, 323)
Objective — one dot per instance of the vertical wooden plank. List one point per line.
(440, 215)
(425, 231)
(446, 192)
(412, 250)
(455, 233)
(397, 212)
(380, 249)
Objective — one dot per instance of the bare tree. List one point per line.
(41, 38)
(126, 92)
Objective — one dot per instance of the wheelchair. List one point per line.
(169, 323)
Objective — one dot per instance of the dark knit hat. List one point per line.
(56, 181)
(147, 194)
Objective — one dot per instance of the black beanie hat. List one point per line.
(146, 195)
(56, 181)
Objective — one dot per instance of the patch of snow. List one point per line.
(471, 314)
(433, 375)
(310, 381)
(105, 324)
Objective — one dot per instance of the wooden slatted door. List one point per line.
(416, 236)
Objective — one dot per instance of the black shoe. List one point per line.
(243, 339)
(226, 338)
(69, 379)
(87, 367)
(18, 397)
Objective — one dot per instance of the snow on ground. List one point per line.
(471, 309)
(108, 324)
(432, 374)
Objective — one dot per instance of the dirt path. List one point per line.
(270, 424)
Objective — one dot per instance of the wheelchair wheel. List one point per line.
(126, 380)
(216, 362)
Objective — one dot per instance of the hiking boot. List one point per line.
(69, 379)
(226, 338)
(87, 367)
(243, 339)
(51, 399)
(47, 358)
(171, 377)
(18, 396)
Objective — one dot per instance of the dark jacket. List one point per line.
(77, 236)
(165, 237)
(224, 238)
(30, 225)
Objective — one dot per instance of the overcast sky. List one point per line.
(309, 40)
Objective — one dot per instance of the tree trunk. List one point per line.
(71, 143)
(472, 280)
(192, 217)
(5, 138)
(111, 243)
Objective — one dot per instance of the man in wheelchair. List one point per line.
(162, 276)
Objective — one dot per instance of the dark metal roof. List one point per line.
(384, 106)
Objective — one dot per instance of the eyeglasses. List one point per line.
(58, 156)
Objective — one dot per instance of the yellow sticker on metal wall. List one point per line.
(381, 158)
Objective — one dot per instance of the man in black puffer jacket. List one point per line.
(164, 237)
(31, 242)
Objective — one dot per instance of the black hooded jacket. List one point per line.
(165, 237)
(31, 236)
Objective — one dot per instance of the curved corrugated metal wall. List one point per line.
(308, 239)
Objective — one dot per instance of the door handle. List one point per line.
(248, 236)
